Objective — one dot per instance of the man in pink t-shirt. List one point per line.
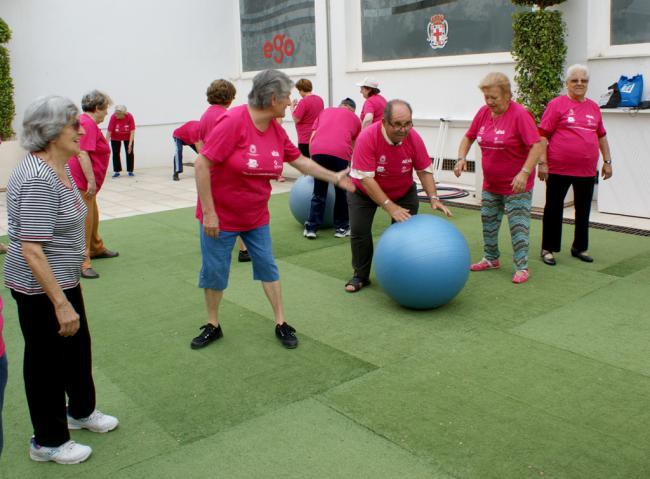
(385, 156)
(373, 108)
(332, 139)
(88, 171)
(305, 113)
(121, 130)
(187, 134)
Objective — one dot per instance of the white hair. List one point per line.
(45, 119)
(576, 67)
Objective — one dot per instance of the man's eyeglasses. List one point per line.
(401, 126)
(579, 80)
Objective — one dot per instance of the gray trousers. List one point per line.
(362, 213)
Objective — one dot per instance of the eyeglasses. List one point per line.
(401, 126)
(579, 80)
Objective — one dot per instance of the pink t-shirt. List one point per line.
(505, 142)
(120, 130)
(244, 161)
(336, 129)
(573, 129)
(188, 133)
(393, 164)
(93, 143)
(305, 115)
(2, 344)
(375, 105)
(209, 119)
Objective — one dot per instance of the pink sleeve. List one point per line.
(299, 110)
(600, 130)
(550, 118)
(527, 128)
(88, 141)
(315, 125)
(111, 124)
(364, 157)
(364, 110)
(222, 140)
(473, 128)
(290, 151)
(356, 129)
(422, 161)
(131, 121)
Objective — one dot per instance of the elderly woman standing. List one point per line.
(372, 110)
(572, 133)
(121, 129)
(510, 146)
(46, 228)
(305, 113)
(89, 171)
(246, 149)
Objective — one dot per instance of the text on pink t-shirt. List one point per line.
(305, 115)
(209, 119)
(375, 105)
(505, 142)
(93, 143)
(336, 129)
(393, 164)
(573, 129)
(244, 161)
(188, 133)
(120, 129)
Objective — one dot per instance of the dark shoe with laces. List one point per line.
(210, 333)
(286, 335)
(244, 257)
(581, 255)
(107, 253)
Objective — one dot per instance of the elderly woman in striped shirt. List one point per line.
(42, 268)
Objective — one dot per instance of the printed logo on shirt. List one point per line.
(571, 119)
(571, 112)
(405, 169)
(275, 153)
(499, 132)
(382, 160)
(407, 161)
(276, 165)
(252, 149)
(380, 169)
(252, 163)
(481, 130)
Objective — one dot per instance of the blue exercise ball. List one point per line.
(300, 201)
(422, 263)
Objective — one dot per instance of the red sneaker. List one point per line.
(485, 264)
(520, 276)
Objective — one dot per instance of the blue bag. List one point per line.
(631, 90)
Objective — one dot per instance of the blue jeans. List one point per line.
(3, 383)
(216, 253)
(178, 155)
(319, 198)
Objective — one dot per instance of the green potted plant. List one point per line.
(10, 151)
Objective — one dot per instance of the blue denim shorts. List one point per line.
(216, 255)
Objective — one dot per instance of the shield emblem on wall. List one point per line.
(437, 31)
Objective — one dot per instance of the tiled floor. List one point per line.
(153, 190)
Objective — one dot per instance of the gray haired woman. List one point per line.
(46, 231)
(244, 151)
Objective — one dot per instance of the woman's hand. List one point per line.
(606, 171)
(438, 205)
(68, 319)
(92, 189)
(461, 165)
(211, 224)
(519, 182)
(344, 182)
(542, 171)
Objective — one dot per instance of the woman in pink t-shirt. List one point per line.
(373, 108)
(572, 133)
(245, 150)
(304, 113)
(121, 130)
(510, 146)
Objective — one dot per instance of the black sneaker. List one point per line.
(210, 333)
(285, 334)
(175, 177)
(244, 257)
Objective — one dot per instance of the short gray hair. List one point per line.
(576, 67)
(95, 100)
(266, 84)
(388, 111)
(45, 119)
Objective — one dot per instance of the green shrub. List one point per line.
(539, 50)
(7, 107)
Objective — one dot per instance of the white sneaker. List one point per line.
(96, 422)
(309, 234)
(67, 453)
(342, 232)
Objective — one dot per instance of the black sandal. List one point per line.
(356, 283)
(581, 255)
(548, 258)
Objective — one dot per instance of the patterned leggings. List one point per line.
(517, 209)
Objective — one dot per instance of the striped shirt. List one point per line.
(42, 209)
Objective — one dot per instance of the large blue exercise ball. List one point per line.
(422, 263)
(300, 201)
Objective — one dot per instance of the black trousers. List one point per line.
(319, 197)
(362, 213)
(55, 366)
(304, 149)
(116, 146)
(557, 187)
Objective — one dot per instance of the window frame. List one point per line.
(599, 45)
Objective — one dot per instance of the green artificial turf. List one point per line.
(546, 379)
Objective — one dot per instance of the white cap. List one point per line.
(369, 82)
(120, 108)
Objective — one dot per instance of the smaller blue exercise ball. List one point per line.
(300, 201)
(422, 263)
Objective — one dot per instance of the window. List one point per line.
(630, 22)
(277, 34)
(401, 29)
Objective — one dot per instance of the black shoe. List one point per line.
(581, 255)
(285, 334)
(243, 256)
(210, 333)
(548, 258)
(107, 253)
(175, 177)
(89, 273)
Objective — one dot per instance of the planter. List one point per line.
(11, 153)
